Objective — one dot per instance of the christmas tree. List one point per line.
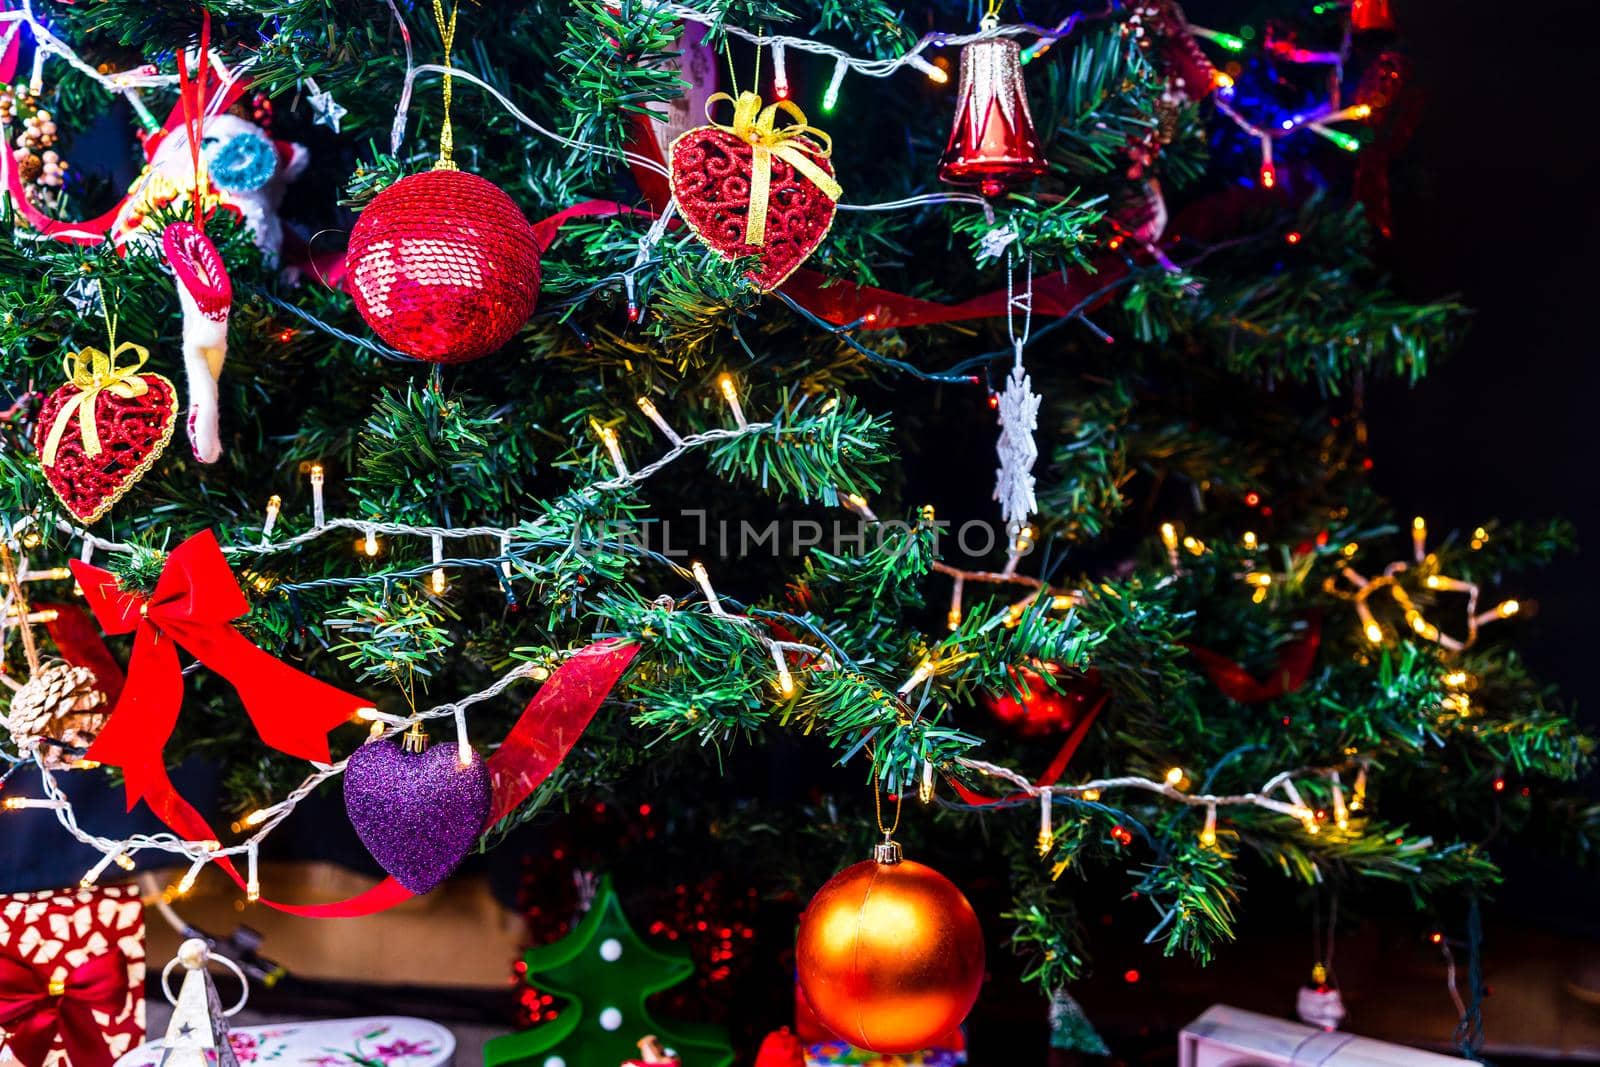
(878, 403)
(604, 972)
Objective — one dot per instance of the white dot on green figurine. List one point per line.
(610, 1019)
(611, 950)
(555, 1061)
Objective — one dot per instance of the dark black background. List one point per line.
(1494, 200)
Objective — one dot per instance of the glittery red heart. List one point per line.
(133, 433)
(711, 185)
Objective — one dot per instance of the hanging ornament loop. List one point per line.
(447, 36)
(194, 955)
(92, 372)
(795, 144)
(886, 851)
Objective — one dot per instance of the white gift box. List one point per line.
(390, 1040)
(1229, 1037)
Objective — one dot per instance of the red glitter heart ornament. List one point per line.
(103, 429)
(755, 189)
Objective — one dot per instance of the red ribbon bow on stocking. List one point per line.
(194, 604)
(34, 1012)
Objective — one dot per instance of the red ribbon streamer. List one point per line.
(1058, 766)
(194, 604)
(192, 98)
(543, 735)
(195, 600)
(32, 1017)
(81, 645)
(1295, 661)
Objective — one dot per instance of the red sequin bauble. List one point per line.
(890, 956)
(443, 266)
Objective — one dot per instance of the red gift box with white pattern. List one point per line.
(53, 938)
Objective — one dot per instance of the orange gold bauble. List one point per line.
(890, 955)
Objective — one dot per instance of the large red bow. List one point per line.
(33, 1013)
(194, 604)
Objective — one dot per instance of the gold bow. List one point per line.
(795, 145)
(91, 370)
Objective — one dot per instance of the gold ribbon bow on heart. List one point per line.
(795, 144)
(92, 371)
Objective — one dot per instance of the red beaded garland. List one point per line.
(443, 266)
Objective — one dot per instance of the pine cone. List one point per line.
(61, 703)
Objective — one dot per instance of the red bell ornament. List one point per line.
(992, 144)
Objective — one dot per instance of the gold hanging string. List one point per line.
(992, 8)
(19, 604)
(877, 803)
(447, 34)
(733, 75)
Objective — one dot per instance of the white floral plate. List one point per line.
(387, 1041)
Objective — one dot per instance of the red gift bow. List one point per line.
(33, 1015)
(194, 604)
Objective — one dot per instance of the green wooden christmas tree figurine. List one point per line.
(604, 972)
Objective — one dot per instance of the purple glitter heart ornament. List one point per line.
(417, 813)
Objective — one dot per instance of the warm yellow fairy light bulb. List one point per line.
(1250, 541)
(1374, 633)
(1208, 835)
(123, 860)
(1260, 578)
(1351, 548)
(186, 883)
(369, 544)
(1091, 795)
(1507, 608)
(1174, 775)
(1455, 679)
(1169, 535)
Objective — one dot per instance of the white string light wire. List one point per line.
(263, 821)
